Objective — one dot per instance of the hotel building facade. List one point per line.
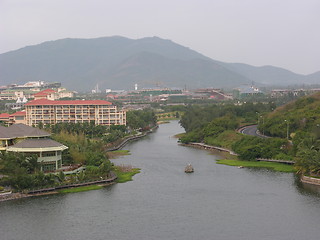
(73, 111)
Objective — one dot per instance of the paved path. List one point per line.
(251, 130)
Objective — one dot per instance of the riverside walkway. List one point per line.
(128, 139)
(111, 179)
(210, 147)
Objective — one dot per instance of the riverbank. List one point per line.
(310, 180)
(276, 165)
(60, 189)
(126, 140)
(120, 176)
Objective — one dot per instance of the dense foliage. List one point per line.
(197, 117)
(141, 119)
(300, 122)
(250, 148)
(17, 163)
(216, 125)
(88, 129)
(294, 129)
(81, 149)
(86, 146)
(301, 115)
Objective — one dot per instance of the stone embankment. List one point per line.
(210, 147)
(220, 149)
(131, 138)
(310, 180)
(53, 190)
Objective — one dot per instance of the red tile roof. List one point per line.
(20, 113)
(4, 115)
(44, 92)
(67, 102)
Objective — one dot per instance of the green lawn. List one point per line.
(126, 176)
(122, 152)
(117, 153)
(80, 189)
(279, 167)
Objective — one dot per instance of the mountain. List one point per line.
(314, 78)
(267, 75)
(118, 63)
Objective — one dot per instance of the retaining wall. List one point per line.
(310, 180)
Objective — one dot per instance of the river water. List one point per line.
(215, 202)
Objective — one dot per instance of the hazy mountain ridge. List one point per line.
(267, 74)
(119, 62)
(150, 69)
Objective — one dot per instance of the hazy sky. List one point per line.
(283, 33)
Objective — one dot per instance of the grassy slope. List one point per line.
(80, 189)
(225, 139)
(279, 167)
(126, 176)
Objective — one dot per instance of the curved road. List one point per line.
(251, 130)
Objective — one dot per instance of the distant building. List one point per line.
(276, 93)
(211, 93)
(45, 94)
(17, 117)
(246, 91)
(51, 94)
(75, 111)
(25, 139)
(18, 104)
(4, 118)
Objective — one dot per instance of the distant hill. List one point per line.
(119, 63)
(268, 75)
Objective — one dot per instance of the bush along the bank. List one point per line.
(250, 148)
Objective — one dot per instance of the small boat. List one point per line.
(189, 168)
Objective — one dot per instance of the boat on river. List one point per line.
(189, 168)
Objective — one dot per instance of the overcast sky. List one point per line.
(282, 33)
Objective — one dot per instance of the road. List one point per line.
(251, 130)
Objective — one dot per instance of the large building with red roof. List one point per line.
(75, 111)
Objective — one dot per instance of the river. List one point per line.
(162, 202)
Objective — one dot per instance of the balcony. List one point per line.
(49, 159)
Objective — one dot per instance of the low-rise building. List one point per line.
(25, 139)
(4, 118)
(51, 94)
(18, 117)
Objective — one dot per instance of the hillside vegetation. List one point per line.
(300, 122)
(300, 116)
(294, 130)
